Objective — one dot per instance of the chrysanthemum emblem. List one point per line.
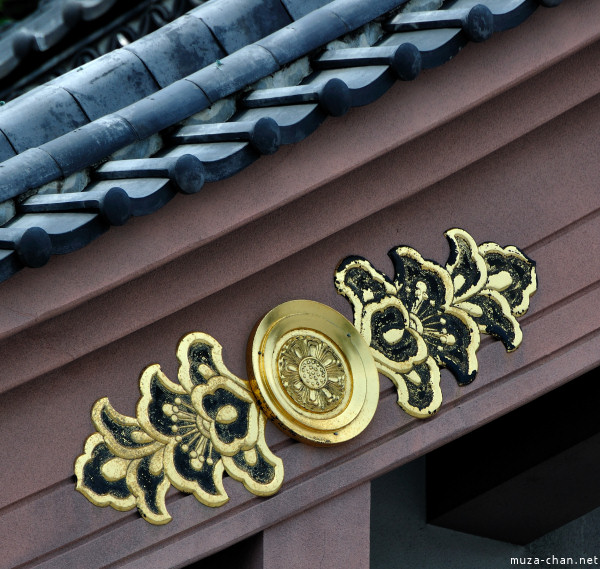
(312, 374)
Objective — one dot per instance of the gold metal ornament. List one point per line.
(429, 316)
(188, 434)
(312, 373)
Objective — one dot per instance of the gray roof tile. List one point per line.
(176, 102)
(403, 59)
(265, 117)
(299, 8)
(178, 49)
(89, 144)
(220, 159)
(31, 244)
(305, 35)
(111, 203)
(6, 150)
(183, 169)
(236, 23)
(146, 195)
(476, 22)
(356, 13)
(68, 232)
(330, 93)
(43, 115)
(295, 122)
(263, 134)
(25, 171)
(108, 83)
(234, 72)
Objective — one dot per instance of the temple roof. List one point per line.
(202, 98)
(500, 141)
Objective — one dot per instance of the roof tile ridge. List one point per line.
(214, 80)
(209, 85)
(190, 28)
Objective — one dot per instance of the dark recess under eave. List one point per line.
(524, 474)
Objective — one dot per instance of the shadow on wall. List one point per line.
(401, 538)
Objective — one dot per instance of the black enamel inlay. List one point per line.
(121, 433)
(261, 472)
(200, 354)
(408, 274)
(149, 483)
(238, 429)
(363, 284)
(519, 270)
(495, 322)
(204, 476)
(391, 318)
(93, 479)
(466, 267)
(453, 356)
(421, 396)
(161, 396)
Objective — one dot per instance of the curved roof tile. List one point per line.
(264, 118)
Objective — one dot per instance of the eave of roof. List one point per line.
(189, 251)
(66, 143)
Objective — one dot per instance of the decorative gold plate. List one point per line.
(188, 434)
(312, 373)
(429, 316)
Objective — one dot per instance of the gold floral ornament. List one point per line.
(429, 316)
(312, 374)
(187, 434)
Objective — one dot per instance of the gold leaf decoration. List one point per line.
(432, 314)
(186, 434)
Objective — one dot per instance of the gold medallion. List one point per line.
(312, 373)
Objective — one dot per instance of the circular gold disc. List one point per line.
(312, 373)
